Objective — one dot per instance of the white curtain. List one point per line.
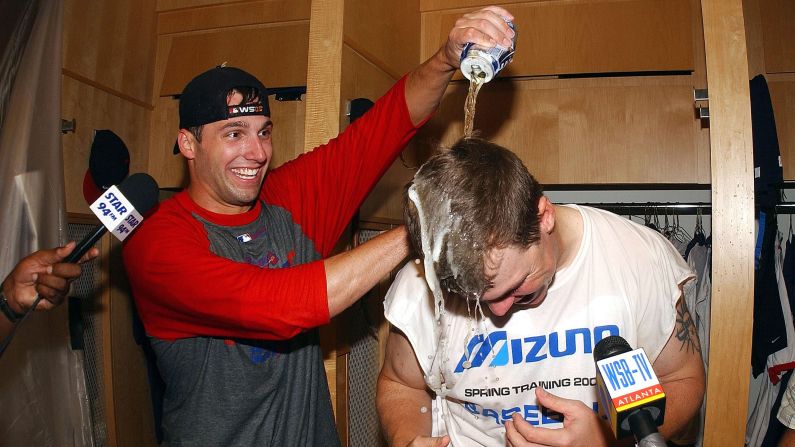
(42, 401)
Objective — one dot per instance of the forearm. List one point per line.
(404, 412)
(426, 85)
(351, 274)
(682, 401)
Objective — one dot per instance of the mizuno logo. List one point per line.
(531, 349)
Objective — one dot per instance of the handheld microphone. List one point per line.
(630, 395)
(120, 209)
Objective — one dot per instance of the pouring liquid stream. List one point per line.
(476, 81)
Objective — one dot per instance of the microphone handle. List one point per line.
(84, 245)
(653, 440)
(645, 430)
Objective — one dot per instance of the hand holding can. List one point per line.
(482, 64)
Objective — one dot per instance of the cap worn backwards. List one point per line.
(203, 100)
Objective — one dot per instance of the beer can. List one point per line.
(485, 63)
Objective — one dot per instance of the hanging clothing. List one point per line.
(680, 245)
(761, 396)
(789, 272)
(700, 260)
(783, 360)
(698, 254)
(775, 428)
(784, 408)
(768, 173)
(778, 363)
(769, 332)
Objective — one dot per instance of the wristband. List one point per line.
(7, 310)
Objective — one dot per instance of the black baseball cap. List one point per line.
(203, 100)
(108, 164)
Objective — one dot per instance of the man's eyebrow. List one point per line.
(268, 123)
(240, 123)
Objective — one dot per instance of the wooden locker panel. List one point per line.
(387, 33)
(588, 36)
(362, 79)
(112, 44)
(205, 15)
(165, 5)
(754, 38)
(384, 204)
(132, 413)
(92, 109)
(288, 130)
(782, 95)
(732, 224)
(628, 134)
(778, 17)
(276, 54)
(618, 130)
(167, 168)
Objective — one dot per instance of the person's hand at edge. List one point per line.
(42, 273)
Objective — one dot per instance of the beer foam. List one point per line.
(433, 231)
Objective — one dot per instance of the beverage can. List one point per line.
(485, 63)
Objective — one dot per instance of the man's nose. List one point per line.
(257, 150)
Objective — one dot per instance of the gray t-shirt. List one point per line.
(248, 392)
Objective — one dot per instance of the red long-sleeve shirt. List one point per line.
(182, 289)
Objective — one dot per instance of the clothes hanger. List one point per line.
(680, 233)
(647, 218)
(698, 233)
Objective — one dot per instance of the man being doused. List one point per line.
(552, 280)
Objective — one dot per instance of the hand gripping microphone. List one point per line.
(630, 396)
(120, 209)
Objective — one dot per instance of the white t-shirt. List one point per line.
(624, 280)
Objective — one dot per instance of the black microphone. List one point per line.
(120, 209)
(631, 398)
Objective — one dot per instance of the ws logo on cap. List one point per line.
(246, 109)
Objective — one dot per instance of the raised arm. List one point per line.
(426, 84)
(402, 400)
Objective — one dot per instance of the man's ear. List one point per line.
(187, 144)
(546, 215)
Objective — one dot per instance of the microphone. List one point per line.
(120, 209)
(631, 398)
